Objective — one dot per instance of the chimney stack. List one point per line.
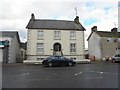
(76, 20)
(114, 30)
(32, 16)
(94, 29)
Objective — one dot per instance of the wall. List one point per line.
(22, 54)
(14, 51)
(108, 48)
(94, 45)
(1, 54)
(5, 50)
(49, 42)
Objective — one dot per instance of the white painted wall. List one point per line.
(49, 42)
(94, 46)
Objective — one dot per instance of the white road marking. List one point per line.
(24, 74)
(104, 72)
(79, 73)
(98, 72)
(93, 78)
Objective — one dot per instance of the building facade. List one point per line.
(55, 37)
(9, 46)
(23, 49)
(102, 44)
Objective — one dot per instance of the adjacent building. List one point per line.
(55, 37)
(23, 49)
(9, 47)
(102, 44)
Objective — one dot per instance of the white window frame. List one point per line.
(40, 35)
(40, 48)
(72, 47)
(57, 35)
(72, 35)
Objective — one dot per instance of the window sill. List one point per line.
(73, 53)
(57, 39)
(40, 53)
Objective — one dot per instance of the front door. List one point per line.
(57, 49)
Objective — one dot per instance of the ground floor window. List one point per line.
(39, 59)
(72, 47)
(40, 48)
(73, 58)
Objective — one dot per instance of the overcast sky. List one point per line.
(15, 14)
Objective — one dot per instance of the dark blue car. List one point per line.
(58, 61)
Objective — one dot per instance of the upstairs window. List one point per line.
(57, 35)
(72, 35)
(40, 35)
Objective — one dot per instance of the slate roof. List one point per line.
(106, 34)
(54, 24)
(11, 34)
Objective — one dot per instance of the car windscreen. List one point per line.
(117, 55)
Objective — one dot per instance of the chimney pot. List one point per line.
(76, 20)
(114, 30)
(32, 16)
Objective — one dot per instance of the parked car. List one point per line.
(58, 61)
(116, 58)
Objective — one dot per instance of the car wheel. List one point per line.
(50, 64)
(113, 60)
(70, 63)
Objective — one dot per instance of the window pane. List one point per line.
(72, 35)
(57, 35)
(40, 47)
(73, 47)
(40, 34)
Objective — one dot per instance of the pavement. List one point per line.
(40, 62)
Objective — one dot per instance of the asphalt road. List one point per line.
(94, 75)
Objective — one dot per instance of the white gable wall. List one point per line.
(94, 46)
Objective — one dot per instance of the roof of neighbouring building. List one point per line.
(54, 24)
(11, 34)
(106, 33)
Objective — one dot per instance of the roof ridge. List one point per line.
(54, 24)
(103, 31)
(51, 20)
(8, 31)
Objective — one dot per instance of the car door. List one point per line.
(63, 60)
(56, 60)
(59, 61)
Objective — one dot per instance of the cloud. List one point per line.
(15, 14)
(90, 21)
